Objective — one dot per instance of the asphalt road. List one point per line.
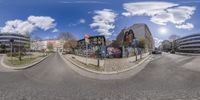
(163, 79)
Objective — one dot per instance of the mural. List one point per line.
(128, 38)
(130, 44)
(96, 46)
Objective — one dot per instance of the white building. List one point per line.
(189, 44)
(42, 45)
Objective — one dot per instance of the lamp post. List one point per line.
(20, 49)
(29, 46)
(11, 49)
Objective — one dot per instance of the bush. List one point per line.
(50, 51)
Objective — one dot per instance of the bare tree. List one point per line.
(66, 36)
(173, 37)
(70, 45)
(50, 46)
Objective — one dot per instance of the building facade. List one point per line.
(96, 43)
(19, 42)
(38, 45)
(138, 32)
(42, 45)
(189, 44)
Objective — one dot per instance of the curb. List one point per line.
(20, 68)
(126, 73)
(187, 54)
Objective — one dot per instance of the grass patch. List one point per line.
(25, 60)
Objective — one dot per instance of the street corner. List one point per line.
(12, 63)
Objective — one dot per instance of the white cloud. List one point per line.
(165, 13)
(43, 22)
(28, 26)
(82, 21)
(18, 27)
(103, 21)
(55, 30)
(157, 41)
(188, 26)
(146, 8)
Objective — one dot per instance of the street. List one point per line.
(163, 79)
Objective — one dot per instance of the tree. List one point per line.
(115, 43)
(50, 46)
(173, 37)
(3, 48)
(142, 43)
(70, 45)
(66, 36)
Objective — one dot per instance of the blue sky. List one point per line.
(46, 18)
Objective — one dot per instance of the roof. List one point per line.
(198, 34)
(13, 34)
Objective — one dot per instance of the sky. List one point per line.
(47, 18)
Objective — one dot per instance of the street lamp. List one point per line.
(11, 46)
(20, 49)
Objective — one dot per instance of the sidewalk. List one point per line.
(188, 54)
(100, 74)
(106, 65)
(122, 63)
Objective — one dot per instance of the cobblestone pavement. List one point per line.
(108, 65)
(122, 63)
(52, 79)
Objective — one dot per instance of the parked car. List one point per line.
(156, 52)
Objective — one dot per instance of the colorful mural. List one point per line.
(96, 44)
(128, 38)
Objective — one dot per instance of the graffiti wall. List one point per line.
(96, 46)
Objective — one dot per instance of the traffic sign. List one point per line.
(87, 40)
(86, 36)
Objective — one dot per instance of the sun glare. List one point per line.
(163, 30)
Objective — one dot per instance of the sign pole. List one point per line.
(11, 53)
(86, 53)
(86, 42)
